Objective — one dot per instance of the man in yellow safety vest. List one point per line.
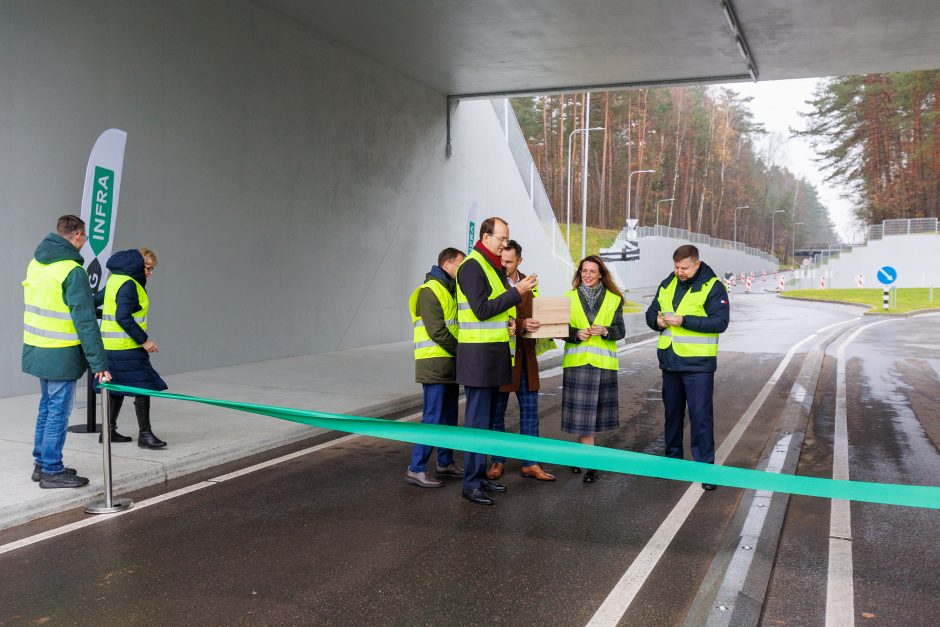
(689, 311)
(485, 318)
(60, 340)
(433, 309)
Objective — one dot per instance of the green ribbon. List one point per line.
(564, 453)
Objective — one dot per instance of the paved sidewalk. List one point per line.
(369, 381)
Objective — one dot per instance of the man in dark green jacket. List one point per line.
(60, 340)
(434, 316)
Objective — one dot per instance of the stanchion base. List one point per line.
(84, 428)
(117, 505)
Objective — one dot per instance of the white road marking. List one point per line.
(618, 601)
(95, 519)
(840, 587)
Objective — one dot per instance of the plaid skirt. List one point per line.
(589, 400)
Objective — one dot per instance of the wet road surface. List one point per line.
(338, 537)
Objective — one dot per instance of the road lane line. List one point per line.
(618, 601)
(95, 519)
(840, 587)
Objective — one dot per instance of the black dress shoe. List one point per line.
(709, 486)
(478, 497)
(575, 470)
(37, 472)
(488, 486)
(590, 476)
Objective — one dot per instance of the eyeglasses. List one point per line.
(148, 268)
(501, 240)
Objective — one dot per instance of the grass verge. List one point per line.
(908, 298)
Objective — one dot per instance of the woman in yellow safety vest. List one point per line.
(127, 341)
(589, 396)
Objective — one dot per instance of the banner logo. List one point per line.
(102, 196)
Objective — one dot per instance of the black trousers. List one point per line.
(141, 407)
(692, 389)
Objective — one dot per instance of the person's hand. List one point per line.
(598, 330)
(103, 377)
(150, 346)
(660, 321)
(525, 285)
(674, 320)
(532, 325)
(512, 326)
(584, 334)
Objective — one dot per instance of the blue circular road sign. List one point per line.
(887, 275)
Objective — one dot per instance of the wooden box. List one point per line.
(554, 312)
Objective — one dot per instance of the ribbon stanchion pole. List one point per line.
(109, 505)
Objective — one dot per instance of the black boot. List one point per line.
(115, 403)
(146, 438)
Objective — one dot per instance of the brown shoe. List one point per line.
(495, 471)
(535, 472)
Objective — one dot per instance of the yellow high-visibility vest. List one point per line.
(424, 346)
(113, 336)
(596, 351)
(47, 320)
(471, 329)
(684, 342)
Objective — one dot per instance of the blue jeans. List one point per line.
(52, 424)
(692, 389)
(528, 414)
(440, 408)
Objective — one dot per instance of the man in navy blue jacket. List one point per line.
(690, 310)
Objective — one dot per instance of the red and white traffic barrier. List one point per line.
(747, 286)
(860, 280)
(822, 282)
(763, 275)
(780, 285)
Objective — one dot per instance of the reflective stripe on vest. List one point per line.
(686, 343)
(472, 329)
(47, 322)
(113, 335)
(595, 351)
(424, 346)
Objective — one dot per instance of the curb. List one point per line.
(870, 311)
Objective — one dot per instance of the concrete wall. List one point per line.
(915, 257)
(655, 262)
(294, 190)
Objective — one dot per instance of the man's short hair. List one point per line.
(486, 228)
(69, 224)
(447, 255)
(513, 244)
(685, 252)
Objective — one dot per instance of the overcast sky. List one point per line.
(777, 105)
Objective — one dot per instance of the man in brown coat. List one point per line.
(525, 374)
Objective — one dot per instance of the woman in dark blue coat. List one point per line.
(124, 330)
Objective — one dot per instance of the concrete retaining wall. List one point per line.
(655, 262)
(294, 190)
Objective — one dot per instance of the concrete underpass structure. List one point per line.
(286, 159)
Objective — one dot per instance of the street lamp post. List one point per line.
(570, 135)
(736, 221)
(629, 181)
(657, 208)
(772, 219)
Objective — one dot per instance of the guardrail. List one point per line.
(531, 179)
(902, 227)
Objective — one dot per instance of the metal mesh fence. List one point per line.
(698, 238)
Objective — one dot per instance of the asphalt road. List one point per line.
(336, 536)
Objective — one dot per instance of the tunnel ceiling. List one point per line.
(467, 47)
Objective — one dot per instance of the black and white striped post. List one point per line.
(109, 505)
(887, 298)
